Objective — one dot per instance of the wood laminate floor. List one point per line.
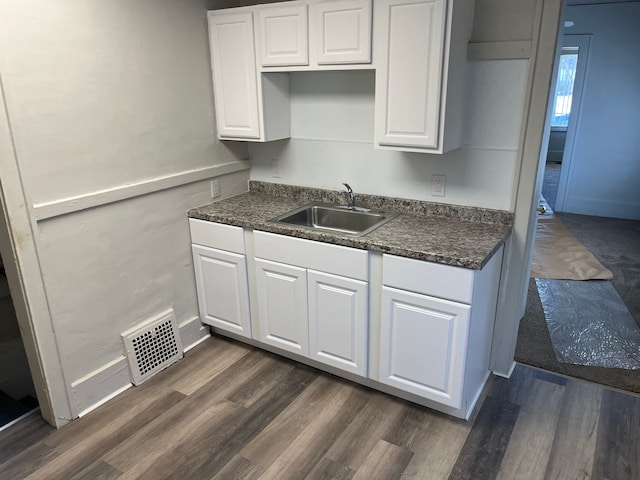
(229, 411)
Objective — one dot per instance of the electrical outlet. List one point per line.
(275, 168)
(215, 188)
(438, 183)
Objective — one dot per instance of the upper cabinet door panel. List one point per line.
(234, 74)
(411, 42)
(283, 35)
(343, 31)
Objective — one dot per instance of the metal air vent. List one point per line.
(152, 346)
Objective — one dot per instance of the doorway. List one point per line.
(565, 117)
(613, 241)
(17, 392)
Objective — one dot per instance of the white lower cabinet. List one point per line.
(436, 326)
(282, 306)
(221, 282)
(427, 336)
(423, 345)
(313, 300)
(338, 321)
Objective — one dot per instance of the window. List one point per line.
(564, 87)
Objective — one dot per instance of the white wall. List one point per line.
(110, 107)
(332, 140)
(605, 166)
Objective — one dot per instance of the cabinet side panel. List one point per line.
(459, 23)
(485, 299)
(275, 97)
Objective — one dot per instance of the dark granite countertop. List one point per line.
(449, 234)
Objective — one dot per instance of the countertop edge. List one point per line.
(363, 243)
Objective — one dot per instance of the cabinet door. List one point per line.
(343, 31)
(223, 296)
(410, 42)
(234, 75)
(423, 345)
(282, 306)
(283, 35)
(338, 321)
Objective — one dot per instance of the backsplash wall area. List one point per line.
(332, 140)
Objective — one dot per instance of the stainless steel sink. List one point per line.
(335, 219)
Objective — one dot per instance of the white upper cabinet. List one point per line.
(283, 35)
(417, 48)
(234, 74)
(421, 61)
(249, 106)
(314, 34)
(342, 31)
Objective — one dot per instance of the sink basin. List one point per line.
(335, 219)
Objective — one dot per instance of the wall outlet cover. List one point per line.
(275, 168)
(438, 184)
(215, 188)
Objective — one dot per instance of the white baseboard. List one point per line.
(104, 400)
(505, 375)
(100, 385)
(108, 381)
(192, 333)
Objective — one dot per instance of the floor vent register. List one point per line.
(152, 346)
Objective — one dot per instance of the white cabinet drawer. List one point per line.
(217, 235)
(436, 280)
(339, 260)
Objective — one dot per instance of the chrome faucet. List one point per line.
(351, 197)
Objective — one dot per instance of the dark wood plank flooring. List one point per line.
(229, 411)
